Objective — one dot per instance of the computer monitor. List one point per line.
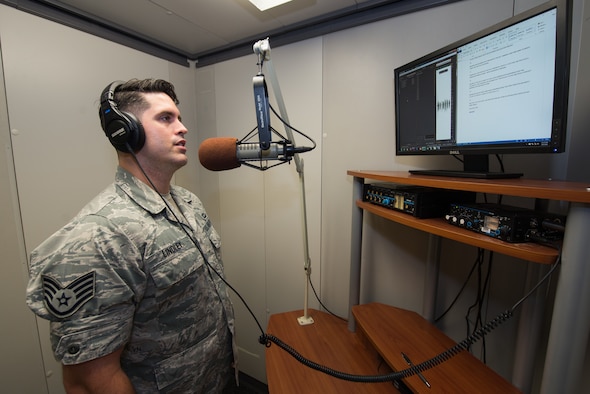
(501, 90)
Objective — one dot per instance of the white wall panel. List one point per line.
(54, 76)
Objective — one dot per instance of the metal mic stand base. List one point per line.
(306, 320)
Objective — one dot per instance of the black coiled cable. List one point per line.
(463, 345)
(267, 339)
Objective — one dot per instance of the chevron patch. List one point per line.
(65, 301)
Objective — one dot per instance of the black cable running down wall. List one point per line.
(366, 12)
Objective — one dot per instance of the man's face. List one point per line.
(164, 147)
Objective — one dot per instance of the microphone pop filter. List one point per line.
(219, 154)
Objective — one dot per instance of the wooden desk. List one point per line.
(391, 330)
(327, 342)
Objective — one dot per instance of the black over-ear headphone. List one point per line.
(122, 128)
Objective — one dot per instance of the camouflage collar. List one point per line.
(144, 195)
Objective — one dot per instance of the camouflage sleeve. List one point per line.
(86, 279)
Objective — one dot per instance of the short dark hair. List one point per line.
(129, 97)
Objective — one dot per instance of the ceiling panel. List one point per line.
(213, 30)
(194, 26)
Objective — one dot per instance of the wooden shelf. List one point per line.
(521, 187)
(526, 251)
(393, 331)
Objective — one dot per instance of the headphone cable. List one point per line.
(195, 242)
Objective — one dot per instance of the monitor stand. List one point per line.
(474, 166)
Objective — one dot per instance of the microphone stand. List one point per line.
(262, 48)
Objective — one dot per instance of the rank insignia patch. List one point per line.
(63, 302)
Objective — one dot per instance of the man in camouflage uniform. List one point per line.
(132, 285)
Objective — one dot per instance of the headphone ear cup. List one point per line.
(125, 132)
(123, 129)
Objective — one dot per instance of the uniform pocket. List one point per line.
(200, 368)
(174, 262)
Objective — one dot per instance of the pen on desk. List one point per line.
(409, 362)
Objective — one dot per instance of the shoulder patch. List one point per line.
(65, 301)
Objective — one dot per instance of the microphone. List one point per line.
(226, 153)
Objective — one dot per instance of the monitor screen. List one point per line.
(502, 90)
